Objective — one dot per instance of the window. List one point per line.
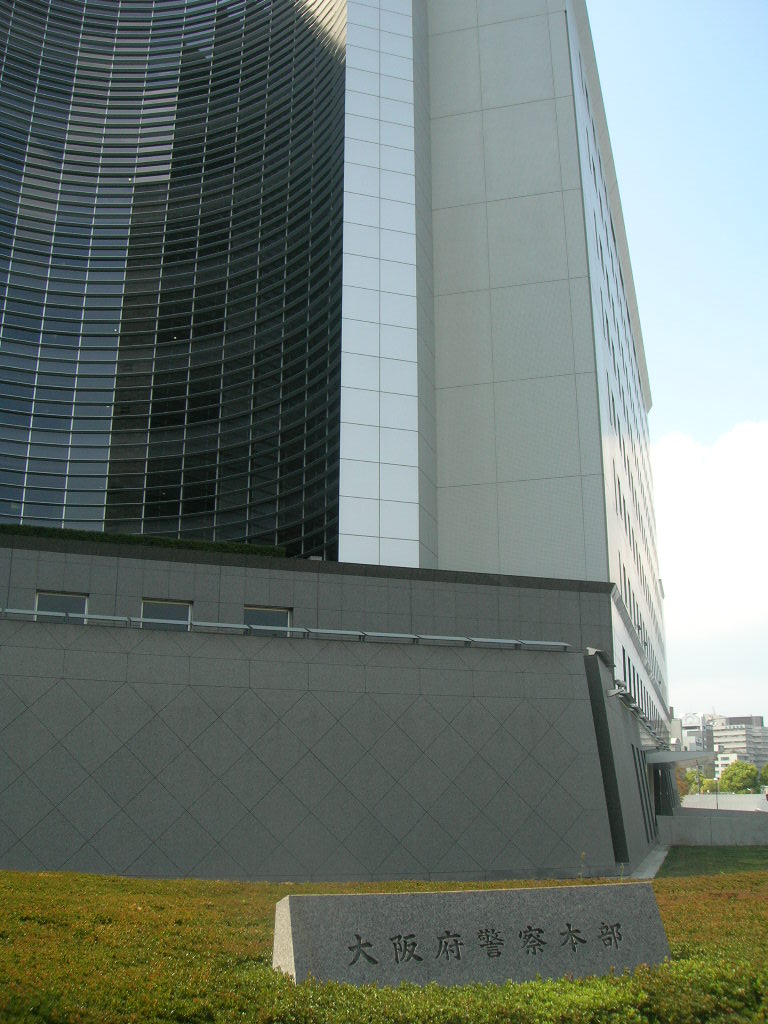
(55, 607)
(253, 616)
(166, 614)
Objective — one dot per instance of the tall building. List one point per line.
(739, 739)
(347, 278)
(693, 731)
(731, 738)
(171, 267)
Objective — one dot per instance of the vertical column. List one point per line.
(379, 470)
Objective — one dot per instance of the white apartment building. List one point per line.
(739, 740)
(695, 732)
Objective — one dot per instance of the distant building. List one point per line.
(735, 738)
(692, 732)
(675, 731)
(723, 761)
(739, 739)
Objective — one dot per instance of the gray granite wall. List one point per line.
(326, 595)
(152, 753)
(629, 785)
(220, 755)
(694, 826)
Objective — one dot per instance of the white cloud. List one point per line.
(712, 517)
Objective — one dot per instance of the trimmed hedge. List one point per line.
(77, 949)
(691, 991)
(685, 992)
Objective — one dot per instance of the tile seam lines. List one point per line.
(486, 108)
(501, 199)
(87, 840)
(491, 24)
(522, 480)
(500, 287)
(508, 380)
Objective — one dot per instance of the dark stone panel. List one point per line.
(376, 770)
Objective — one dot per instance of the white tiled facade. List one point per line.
(494, 388)
(381, 510)
(519, 471)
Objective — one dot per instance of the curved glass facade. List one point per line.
(171, 183)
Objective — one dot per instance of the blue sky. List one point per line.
(685, 86)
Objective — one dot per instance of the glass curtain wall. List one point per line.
(171, 178)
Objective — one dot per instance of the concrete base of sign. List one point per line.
(457, 938)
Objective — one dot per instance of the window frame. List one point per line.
(168, 625)
(263, 628)
(52, 615)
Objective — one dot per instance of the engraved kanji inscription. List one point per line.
(572, 937)
(610, 934)
(449, 946)
(359, 950)
(491, 940)
(405, 948)
(533, 942)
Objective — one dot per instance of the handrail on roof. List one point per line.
(288, 632)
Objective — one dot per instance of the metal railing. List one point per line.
(291, 632)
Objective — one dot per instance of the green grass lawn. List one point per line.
(77, 948)
(713, 860)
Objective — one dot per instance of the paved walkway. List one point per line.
(649, 868)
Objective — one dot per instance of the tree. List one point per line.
(764, 775)
(709, 785)
(693, 780)
(739, 777)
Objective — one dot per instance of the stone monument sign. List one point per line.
(456, 938)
